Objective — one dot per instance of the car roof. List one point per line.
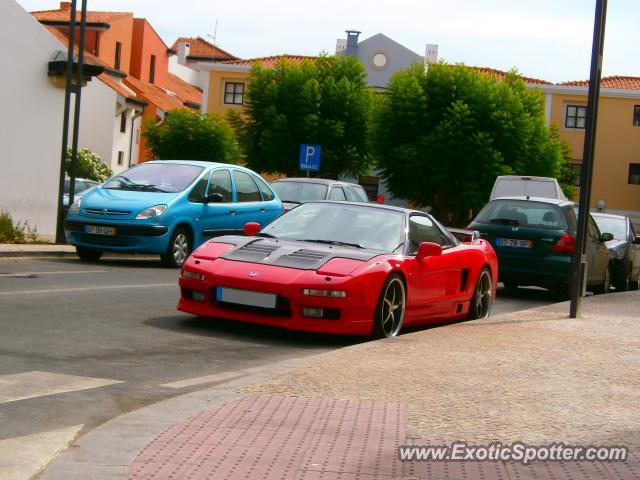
(608, 215)
(527, 177)
(378, 206)
(554, 201)
(321, 181)
(199, 163)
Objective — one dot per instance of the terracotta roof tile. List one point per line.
(199, 47)
(616, 81)
(184, 90)
(64, 15)
(270, 61)
(160, 97)
(500, 75)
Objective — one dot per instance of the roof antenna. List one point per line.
(215, 33)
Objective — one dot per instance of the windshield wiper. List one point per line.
(505, 221)
(334, 242)
(151, 187)
(264, 234)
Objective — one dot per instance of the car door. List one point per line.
(434, 282)
(217, 217)
(597, 254)
(248, 206)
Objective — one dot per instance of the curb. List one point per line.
(22, 254)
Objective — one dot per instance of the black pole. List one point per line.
(579, 263)
(65, 124)
(76, 110)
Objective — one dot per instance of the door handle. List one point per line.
(263, 209)
(232, 212)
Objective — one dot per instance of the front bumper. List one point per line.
(352, 315)
(142, 238)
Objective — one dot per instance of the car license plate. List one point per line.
(511, 242)
(100, 230)
(246, 297)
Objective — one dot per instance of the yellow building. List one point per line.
(616, 174)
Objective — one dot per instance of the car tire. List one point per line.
(88, 255)
(605, 286)
(482, 298)
(390, 308)
(621, 281)
(178, 250)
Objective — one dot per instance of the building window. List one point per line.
(123, 122)
(120, 157)
(575, 116)
(116, 63)
(634, 173)
(234, 93)
(636, 116)
(152, 69)
(575, 172)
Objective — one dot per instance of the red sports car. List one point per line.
(347, 268)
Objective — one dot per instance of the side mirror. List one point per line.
(251, 228)
(606, 237)
(428, 249)
(213, 198)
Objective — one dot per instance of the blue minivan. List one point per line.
(168, 207)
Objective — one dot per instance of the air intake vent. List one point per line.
(260, 247)
(308, 254)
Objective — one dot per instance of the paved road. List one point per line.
(81, 343)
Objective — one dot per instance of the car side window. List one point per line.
(267, 194)
(593, 228)
(197, 193)
(221, 183)
(246, 188)
(422, 229)
(337, 194)
(351, 194)
(359, 191)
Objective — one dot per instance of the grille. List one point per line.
(97, 211)
(308, 254)
(104, 240)
(260, 247)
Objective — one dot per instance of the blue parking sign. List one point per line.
(310, 157)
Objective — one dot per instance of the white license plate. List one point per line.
(246, 297)
(511, 242)
(99, 230)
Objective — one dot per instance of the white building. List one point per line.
(30, 123)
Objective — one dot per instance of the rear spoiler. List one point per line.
(465, 235)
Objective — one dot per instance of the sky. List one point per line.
(546, 39)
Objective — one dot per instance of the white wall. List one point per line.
(30, 122)
(121, 141)
(188, 74)
(97, 109)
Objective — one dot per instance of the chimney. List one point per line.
(183, 52)
(431, 54)
(352, 42)
(341, 45)
(65, 5)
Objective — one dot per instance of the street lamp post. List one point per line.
(579, 264)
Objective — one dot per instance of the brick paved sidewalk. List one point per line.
(536, 377)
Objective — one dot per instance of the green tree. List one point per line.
(89, 165)
(187, 135)
(442, 136)
(323, 102)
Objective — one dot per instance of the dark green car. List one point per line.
(534, 241)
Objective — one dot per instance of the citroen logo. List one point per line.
(254, 274)
(105, 211)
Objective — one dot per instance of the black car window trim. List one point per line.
(231, 182)
(205, 177)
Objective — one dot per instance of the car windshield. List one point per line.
(155, 177)
(299, 192)
(341, 224)
(523, 213)
(615, 226)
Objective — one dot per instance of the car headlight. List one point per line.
(192, 275)
(314, 292)
(151, 212)
(75, 208)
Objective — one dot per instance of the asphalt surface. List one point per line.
(116, 321)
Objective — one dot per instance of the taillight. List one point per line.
(564, 245)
